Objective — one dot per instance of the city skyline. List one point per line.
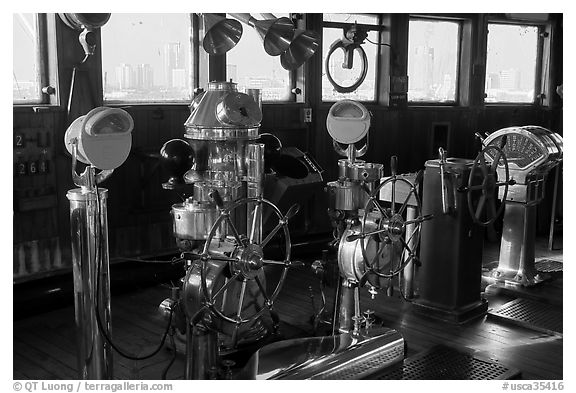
(152, 52)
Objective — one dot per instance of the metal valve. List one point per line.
(373, 292)
(369, 319)
(228, 364)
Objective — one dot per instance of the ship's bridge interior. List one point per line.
(216, 196)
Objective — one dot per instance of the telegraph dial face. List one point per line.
(522, 151)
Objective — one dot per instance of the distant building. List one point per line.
(179, 78)
(125, 78)
(493, 81)
(510, 79)
(421, 68)
(232, 72)
(173, 60)
(144, 76)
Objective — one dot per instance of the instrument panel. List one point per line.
(526, 147)
(520, 150)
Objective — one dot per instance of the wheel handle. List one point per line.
(247, 260)
(392, 223)
(486, 205)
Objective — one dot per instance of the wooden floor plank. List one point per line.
(40, 366)
(45, 344)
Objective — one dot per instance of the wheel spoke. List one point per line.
(483, 165)
(241, 298)
(393, 257)
(271, 262)
(234, 230)
(419, 220)
(377, 256)
(501, 183)
(405, 204)
(415, 232)
(410, 241)
(361, 235)
(222, 258)
(407, 247)
(382, 211)
(263, 290)
(271, 235)
(381, 248)
(476, 187)
(226, 285)
(480, 206)
(255, 220)
(496, 160)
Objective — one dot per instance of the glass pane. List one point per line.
(511, 63)
(432, 61)
(147, 58)
(26, 67)
(252, 68)
(347, 77)
(351, 18)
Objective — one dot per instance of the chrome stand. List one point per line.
(91, 281)
(517, 246)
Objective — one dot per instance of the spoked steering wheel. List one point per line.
(485, 204)
(246, 261)
(392, 225)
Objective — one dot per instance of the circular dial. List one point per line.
(520, 150)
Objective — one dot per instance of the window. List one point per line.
(251, 67)
(147, 58)
(511, 63)
(333, 30)
(433, 52)
(27, 69)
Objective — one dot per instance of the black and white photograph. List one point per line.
(322, 195)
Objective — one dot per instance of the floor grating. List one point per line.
(444, 363)
(531, 314)
(549, 266)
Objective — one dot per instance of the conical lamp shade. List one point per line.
(302, 47)
(221, 34)
(276, 34)
(84, 21)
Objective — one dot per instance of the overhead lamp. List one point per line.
(221, 35)
(276, 33)
(304, 44)
(302, 47)
(87, 23)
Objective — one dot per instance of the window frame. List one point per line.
(195, 73)
(462, 58)
(46, 55)
(540, 58)
(341, 25)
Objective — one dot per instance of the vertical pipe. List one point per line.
(255, 178)
(201, 353)
(94, 353)
(346, 308)
(408, 283)
(553, 212)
